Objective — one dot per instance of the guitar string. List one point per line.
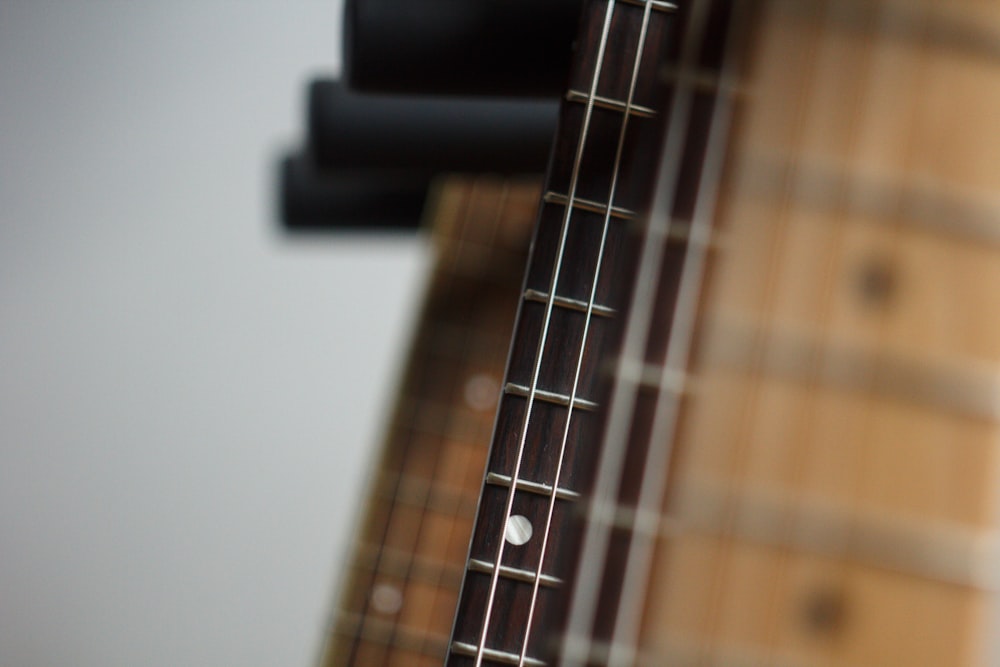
(784, 552)
(750, 410)
(405, 451)
(799, 412)
(988, 648)
(636, 579)
(413, 543)
(877, 340)
(448, 278)
(550, 302)
(802, 418)
(406, 446)
(502, 230)
(597, 534)
(897, 227)
(842, 563)
(633, 570)
(477, 199)
(707, 640)
(610, 198)
(878, 335)
(844, 197)
(443, 277)
(842, 569)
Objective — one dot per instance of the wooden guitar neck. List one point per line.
(399, 595)
(751, 410)
(815, 483)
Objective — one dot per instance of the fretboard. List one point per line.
(399, 595)
(805, 473)
(544, 446)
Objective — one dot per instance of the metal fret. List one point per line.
(513, 573)
(656, 5)
(441, 420)
(687, 652)
(941, 26)
(572, 304)
(702, 80)
(626, 620)
(631, 519)
(578, 259)
(609, 211)
(651, 376)
(549, 397)
(479, 260)
(405, 564)
(588, 205)
(471, 651)
(427, 494)
(965, 387)
(579, 97)
(932, 550)
(531, 487)
(536, 364)
(817, 184)
(935, 550)
(677, 652)
(389, 633)
(588, 651)
(460, 343)
(680, 231)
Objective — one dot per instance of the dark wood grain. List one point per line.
(581, 266)
(684, 193)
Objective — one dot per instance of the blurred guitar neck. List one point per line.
(398, 598)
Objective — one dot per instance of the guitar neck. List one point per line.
(543, 450)
(814, 479)
(400, 592)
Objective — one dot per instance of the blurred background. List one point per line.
(188, 396)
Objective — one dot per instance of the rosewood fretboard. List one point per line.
(544, 447)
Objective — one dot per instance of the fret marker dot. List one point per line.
(387, 599)
(824, 610)
(518, 530)
(481, 392)
(877, 282)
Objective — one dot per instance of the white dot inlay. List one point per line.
(482, 391)
(387, 599)
(518, 530)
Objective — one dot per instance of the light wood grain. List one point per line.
(838, 95)
(399, 597)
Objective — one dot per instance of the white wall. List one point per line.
(186, 397)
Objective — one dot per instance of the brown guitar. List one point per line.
(398, 597)
(750, 413)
